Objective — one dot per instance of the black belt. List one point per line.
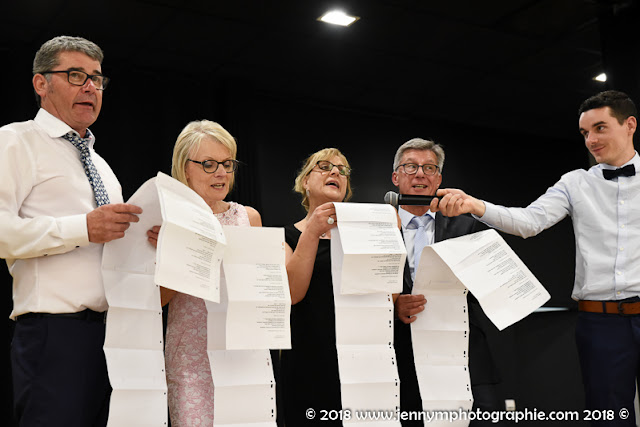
(88, 315)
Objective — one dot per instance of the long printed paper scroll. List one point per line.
(507, 291)
(134, 345)
(252, 316)
(367, 256)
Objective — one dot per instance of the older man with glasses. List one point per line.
(59, 203)
(417, 170)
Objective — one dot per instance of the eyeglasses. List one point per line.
(211, 166)
(412, 168)
(327, 166)
(79, 78)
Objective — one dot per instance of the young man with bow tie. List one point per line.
(603, 203)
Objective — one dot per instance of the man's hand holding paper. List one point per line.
(407, 306)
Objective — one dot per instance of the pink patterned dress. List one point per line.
(187, 364)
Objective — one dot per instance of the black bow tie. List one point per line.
(628, 170)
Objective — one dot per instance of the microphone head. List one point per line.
(391, 198)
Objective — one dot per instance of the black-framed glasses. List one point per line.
(327, 166)
(412, 168)
(79, 78)
(210, 166)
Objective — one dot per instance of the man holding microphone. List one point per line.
(603, 203)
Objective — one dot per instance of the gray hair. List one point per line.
(420, 144)
(47, 57)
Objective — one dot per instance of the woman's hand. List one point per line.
(322, 219)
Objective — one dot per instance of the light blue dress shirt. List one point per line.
(409, 232)
(606, 224)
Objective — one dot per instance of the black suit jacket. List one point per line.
(482, 368)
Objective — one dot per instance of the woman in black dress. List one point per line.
(310, 379)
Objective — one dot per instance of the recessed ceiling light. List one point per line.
(601, 77)
(338, 17)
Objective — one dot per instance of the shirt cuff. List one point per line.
(73, 230)
(490, 213)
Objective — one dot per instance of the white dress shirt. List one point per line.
(410, 232)
(606, 224)
(44, 198)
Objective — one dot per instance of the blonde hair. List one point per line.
(188, 143)
(310, 163)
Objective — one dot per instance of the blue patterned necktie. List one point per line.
(419, 239)
(82, 144)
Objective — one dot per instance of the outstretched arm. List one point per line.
(454, 202)
(544, 212)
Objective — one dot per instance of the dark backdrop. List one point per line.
(144, 111)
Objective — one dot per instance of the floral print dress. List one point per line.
(189, 381)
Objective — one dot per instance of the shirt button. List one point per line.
(622, 202)
(622, 226)
(619, 273)
(618, 293)
(621, 248)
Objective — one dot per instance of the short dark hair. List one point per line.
(47, 57)
(622, 107)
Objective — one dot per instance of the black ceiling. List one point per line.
(511, 64)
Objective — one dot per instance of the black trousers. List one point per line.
(609, 351)
(59, 372)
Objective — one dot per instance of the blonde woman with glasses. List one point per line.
(309, 371)
(204, 158)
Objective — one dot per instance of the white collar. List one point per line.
(406, 217)
(635, 160)
(56, 128)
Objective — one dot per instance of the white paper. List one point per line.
(368, 381)
(240, 377)
(252, 316)
(490, 269)
(367, 251)
(259, 301)
(440, 336)
(507, 291)
(366, 358)
(138, 408)
(190, 243)
(133, 344)
(140, 255)
(364, 319)
(367, 258)
(244, 387)
(244, 376)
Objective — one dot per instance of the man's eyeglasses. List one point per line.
(210, 166)
(412, 168)
(79, 78)
(327, 166)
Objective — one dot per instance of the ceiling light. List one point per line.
(601, 77)
(338, 17)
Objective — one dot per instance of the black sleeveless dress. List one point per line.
(309, 371)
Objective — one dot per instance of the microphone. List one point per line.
(395, 199)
